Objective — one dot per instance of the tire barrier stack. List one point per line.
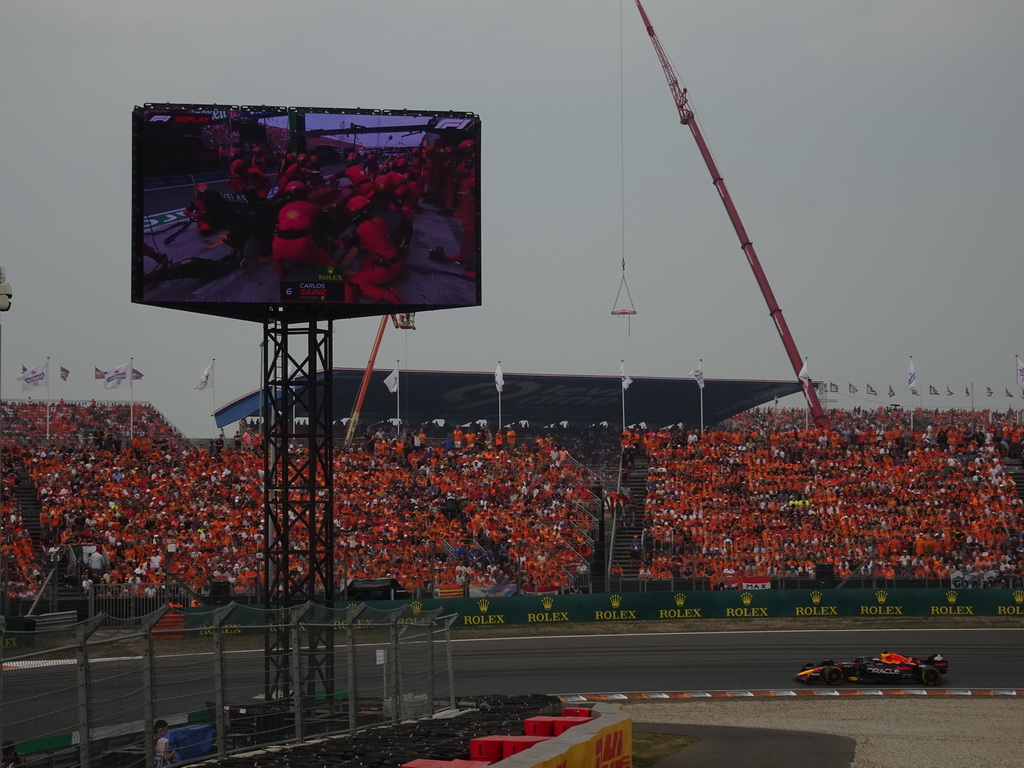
(420, 744)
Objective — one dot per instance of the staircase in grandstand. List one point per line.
(629, 529)
(28, 505)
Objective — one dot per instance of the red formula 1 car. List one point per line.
(887, 667)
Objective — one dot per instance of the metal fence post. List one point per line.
(149, 671)
(220, 702)
(449, 620)
(3, 645)
(82, 634)
(350, 643)
(394, 685)
(352, 613)
(430, 666)
(296, 667)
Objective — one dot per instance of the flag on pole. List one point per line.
(23, 368)
(31, 378)
(64, 373)
(892, 392)
(626, 381)
(499, 378)
(871, 390)
(967, 391)
(698, 376)
(206, 378)
(136, 374)
(117, 377)
(1020, 371)
(932, 390)
(912, 378)
(852, 389)
(1007, 392)
(949, 392)
(99, 374)
(391, 382)
(805, 374)
(833, 387)
(988, 391)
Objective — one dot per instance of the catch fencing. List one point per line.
(238, 679)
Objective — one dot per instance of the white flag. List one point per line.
(805, 374)
(118, 377)
(912, 378)
(391, 382)
(34, 377)
(499, 378)
(698, 376)
(626, 381)
(206, 379)
(1020, 371)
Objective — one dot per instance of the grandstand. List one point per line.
(449, 512)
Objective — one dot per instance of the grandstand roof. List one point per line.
(460, 397)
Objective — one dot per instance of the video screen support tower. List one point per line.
(298, 496)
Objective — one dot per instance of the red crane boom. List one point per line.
(686, 117)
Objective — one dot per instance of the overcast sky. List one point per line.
(873, 150)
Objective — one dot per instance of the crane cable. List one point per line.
(616, 309)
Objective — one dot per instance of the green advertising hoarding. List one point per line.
(694, 606)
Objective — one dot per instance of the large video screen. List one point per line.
(314, 213)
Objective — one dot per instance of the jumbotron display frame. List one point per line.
(209, 240)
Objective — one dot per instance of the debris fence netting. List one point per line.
(225, 681)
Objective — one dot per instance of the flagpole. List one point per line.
(499, 402)
(700, 367)
(807, 395)
(131, 399)
(622, 367)
(213, 389)
(398, 401)
(1017, 378)
(263, 386)
(47, 398)
(912, 403)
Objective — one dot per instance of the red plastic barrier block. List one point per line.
(577, 712)
(515, 744)
(541, 725)
(487, 748)
(424, 763)
(560, 725)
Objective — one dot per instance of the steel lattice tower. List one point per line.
(298, 494)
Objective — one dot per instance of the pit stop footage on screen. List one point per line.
(359, 212)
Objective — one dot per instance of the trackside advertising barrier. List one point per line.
(604, 742)
(733, 604)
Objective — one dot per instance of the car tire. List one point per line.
(930, 676)
(833, 675)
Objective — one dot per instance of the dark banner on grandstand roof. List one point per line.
(540, 399)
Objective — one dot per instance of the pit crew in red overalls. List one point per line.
(294, 240)
(259, 160)
(198, 210)
(248, 180)
(379, 260)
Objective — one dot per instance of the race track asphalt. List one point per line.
(727, 747)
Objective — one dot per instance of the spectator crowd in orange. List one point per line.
(426, 515)
(764, 496)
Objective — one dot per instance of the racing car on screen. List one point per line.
(887, 667)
